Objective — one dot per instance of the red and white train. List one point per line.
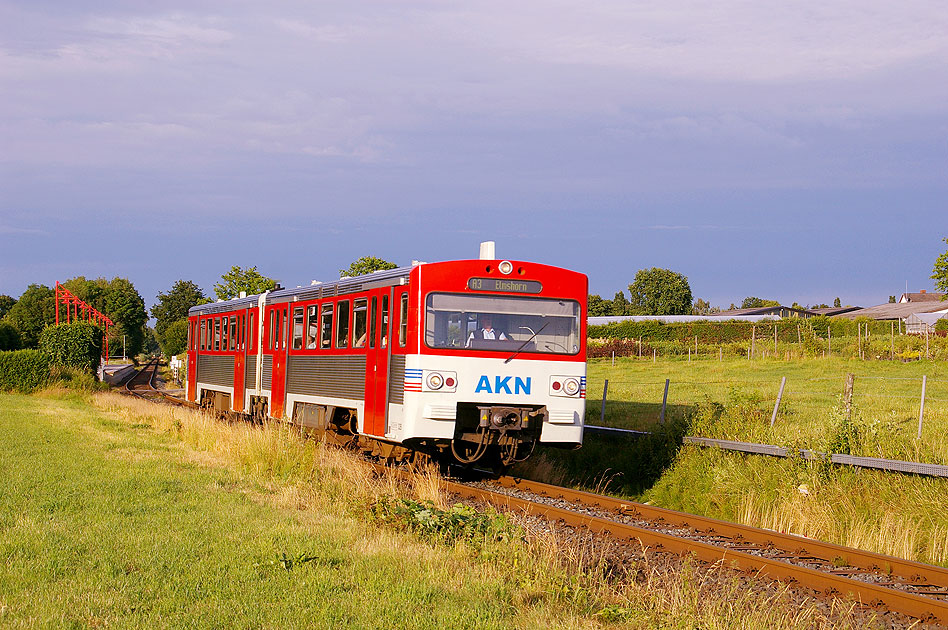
(470, 360)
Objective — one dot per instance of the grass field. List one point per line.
(733, 399)
(113, 513)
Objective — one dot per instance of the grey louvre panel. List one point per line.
(396, 380)
(250, 374)
(216, 369)
(338, 376)
(267, 371)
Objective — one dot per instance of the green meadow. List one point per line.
(118, 513)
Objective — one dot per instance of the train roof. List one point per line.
(382, 278)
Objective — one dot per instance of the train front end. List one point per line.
(500, 362)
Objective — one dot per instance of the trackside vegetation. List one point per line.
(734, 399)
(23, 370)
(74, 345)
(119, 513)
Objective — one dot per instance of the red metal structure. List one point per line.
(80, 311)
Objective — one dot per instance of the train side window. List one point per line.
(270, 337)
(202, 335)
(284, 329)
(233, 333)
(251, 334)
(217, 333)
(403, 321)
(298, 314)
(312, 327)
(225, 321)
(373, 319)
(325, 330)
(190, 335)
(359, 308)
(384, 321)
(240, 332)
(342, 324)
(206, 342)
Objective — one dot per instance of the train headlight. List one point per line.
(505, 267)
(440, 381)
(567, 386)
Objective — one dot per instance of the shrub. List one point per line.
(23, 370)
(9, 337)
(941, 326)
(77, 345)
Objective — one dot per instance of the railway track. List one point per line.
(874, 580)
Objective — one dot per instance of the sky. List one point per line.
(795, 151)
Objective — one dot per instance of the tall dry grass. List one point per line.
(559, 581)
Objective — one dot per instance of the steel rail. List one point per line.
(910, 570)
(925, 608)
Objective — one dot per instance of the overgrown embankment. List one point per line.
(126, 514)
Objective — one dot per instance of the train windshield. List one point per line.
(502, 323)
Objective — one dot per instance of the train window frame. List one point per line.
(299, 327)
(373, 320)
(360, 313)
(343, 323)
(271, 329)
(327, 312)
(312, 327)
(385, 321)
(251, 337)
(403, 320)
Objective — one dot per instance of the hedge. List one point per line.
(78, 345)
(23, 370)
(728, 331)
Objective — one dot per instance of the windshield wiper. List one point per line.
(532, 337)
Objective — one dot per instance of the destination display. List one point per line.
(504, 285)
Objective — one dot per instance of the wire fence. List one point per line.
(899, 417)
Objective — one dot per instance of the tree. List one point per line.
(126, 308)
(175, 338)
(596, 306)
(620, 305)
(6, 303)
(9, 337)
(837, 303)
(237, 280)
(366, 264)
(756, 302)
(173, 305)
(658, 291)
(940, 271)
(35, 309)
(703, 307)
(891, 299)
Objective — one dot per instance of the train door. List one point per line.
(277, 321)
(377, 362)
(238, 337)
(193, 334)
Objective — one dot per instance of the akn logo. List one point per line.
(503, 385)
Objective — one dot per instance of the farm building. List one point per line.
(921, 296)
(897, 310)
(773, 311)
(922, 323)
